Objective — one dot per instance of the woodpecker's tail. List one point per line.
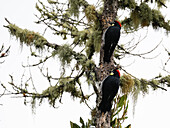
(104, 107)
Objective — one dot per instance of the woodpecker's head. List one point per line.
(115, 73)
(117, 23)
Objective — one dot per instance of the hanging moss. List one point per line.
(70, 87)
(154, 83)
(75, 6)
(145, 14)
(65, 54)
(90, 50)
(135, 18)
(94, 43)
(158, 19)
(141, 15)
(90, 13)
(131, 4)
(127, 83)
(81, 37)
(135, 92)
(81, 58)
(27, 37)
(127, 24)
(144, 86)
(141, 86)
(90, 64)
(53, 93)
(165, 80)
(97, 40)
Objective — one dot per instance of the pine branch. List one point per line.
(150, 82)
(29, 37)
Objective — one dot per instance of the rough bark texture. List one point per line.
(109, 15)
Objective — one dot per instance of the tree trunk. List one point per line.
(109, 15)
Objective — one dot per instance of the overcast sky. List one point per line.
(152, 111)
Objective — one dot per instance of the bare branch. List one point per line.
(7, 21)
(40, 62)
(4, 53)
(140, 54)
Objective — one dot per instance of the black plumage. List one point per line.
(111, 38)
(110, 87)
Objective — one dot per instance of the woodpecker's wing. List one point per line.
(110, 88)
(111, 38)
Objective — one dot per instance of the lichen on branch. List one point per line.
(27, 37)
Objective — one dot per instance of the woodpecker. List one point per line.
(111, 38)
(110, 87)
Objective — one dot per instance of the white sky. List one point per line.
(152, 111)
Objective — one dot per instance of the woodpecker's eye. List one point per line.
(111, 73)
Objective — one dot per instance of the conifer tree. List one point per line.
(83, 24)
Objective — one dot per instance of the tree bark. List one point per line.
(108, 16)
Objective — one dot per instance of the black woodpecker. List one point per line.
(111, 38)
(110, 87)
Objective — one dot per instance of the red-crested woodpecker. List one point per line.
(110, 87)
(111, 38)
